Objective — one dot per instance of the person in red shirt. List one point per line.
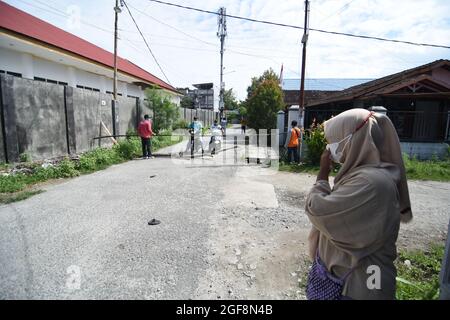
(146, 133)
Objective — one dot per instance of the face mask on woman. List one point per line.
(333, 147)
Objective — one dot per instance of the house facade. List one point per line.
(417, 101)
(33, 49)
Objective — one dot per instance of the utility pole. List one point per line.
(117, 10)
(304, 41)
(222, 33)
(114, 105)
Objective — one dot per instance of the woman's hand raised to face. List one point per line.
(325, 165)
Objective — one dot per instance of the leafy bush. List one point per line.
(24, 157)
(315, 142)
(12, 183)
(128, 149)
(180, 124)
(87, 163)
(165, 112)
(66, 169)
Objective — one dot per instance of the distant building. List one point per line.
(202, 96)
(34, 49)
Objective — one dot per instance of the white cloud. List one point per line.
(252, 48)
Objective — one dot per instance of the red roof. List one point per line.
(25, 24)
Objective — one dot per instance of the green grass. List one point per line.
(12, 186)
(420, 281)
(303, 168)
(434, 170)
(19, 196)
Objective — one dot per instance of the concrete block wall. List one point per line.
(46, 120)
(128, 114)
(424, 150)
(33, 119)
(89, 109)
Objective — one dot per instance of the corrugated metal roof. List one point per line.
(325, 84)
(25, 24)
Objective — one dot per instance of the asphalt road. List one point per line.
(89, 238)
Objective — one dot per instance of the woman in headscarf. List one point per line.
(356, 223)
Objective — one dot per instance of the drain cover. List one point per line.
(153, 222)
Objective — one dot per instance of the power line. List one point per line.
(301, 28)
(339, 11)
(172, 27)
(64, 14)
(209, 43)
(148, 47)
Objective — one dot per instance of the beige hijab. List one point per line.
(374, 143)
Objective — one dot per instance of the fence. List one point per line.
(411, 126)
(48, 120)
(421, 126)
(207, 117)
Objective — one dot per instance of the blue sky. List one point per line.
(186, 45)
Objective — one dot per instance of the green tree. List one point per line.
(187, 102)
(256, 81)
(242, 110)
(165, 112)
(229, 99)
(264, 103)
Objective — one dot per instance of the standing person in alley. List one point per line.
(292, 142)
(146, 133)
(223, 123)
(243, 125)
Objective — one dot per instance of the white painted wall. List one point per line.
(49, 70)
(135, 91)
(31, 66)
(11, 61)
(27, 66)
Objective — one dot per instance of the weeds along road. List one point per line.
(226, 232)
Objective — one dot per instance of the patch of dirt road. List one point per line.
(258, 246)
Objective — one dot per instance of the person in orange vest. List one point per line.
(145, 132)
(292, 142)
